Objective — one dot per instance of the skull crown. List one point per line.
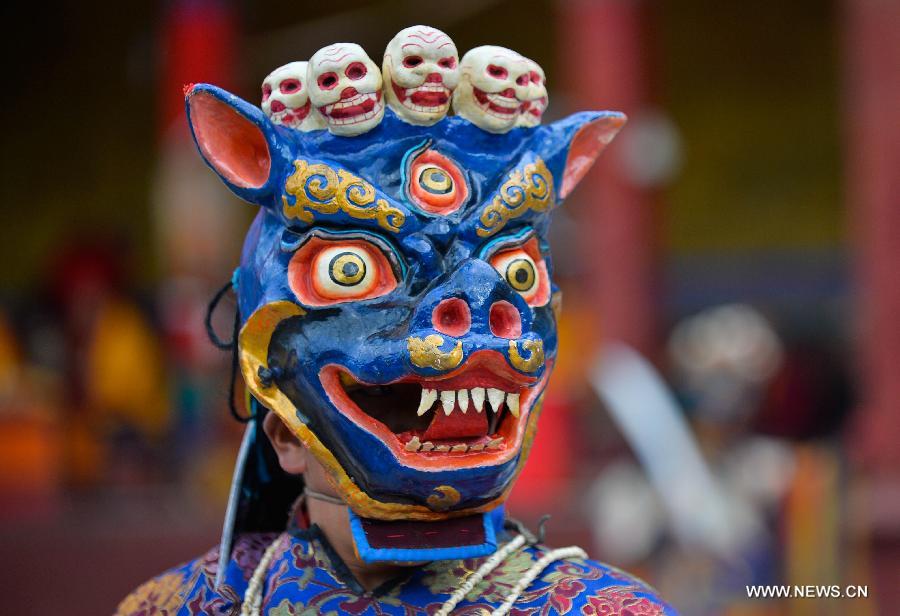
(421, 78)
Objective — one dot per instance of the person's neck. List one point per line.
(334, 522)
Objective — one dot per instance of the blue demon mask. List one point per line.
(397, 303)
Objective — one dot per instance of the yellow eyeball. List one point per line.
(347, 269)
(520, 274)
(435, 181)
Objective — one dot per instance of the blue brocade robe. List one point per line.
(308, 578)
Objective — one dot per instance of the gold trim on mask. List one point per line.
(320, 188)
(443, 498)
(535, 358)
(529, 188)
(427, 353)
(254, 340)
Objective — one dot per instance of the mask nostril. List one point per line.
(506, 322)
(452, 317)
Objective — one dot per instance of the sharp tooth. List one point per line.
(448, 399)
(495, 443)
(477, 447)
(495, 397)
(478, 398)
(512, 403)
(442, 448)
(428, 398)
(413, 444)
(462, 396)
(427, 446)
(460, 447)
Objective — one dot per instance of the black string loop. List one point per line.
(210, 331)
(230, 345)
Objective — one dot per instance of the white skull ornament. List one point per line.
(420, 70)
(345, 86)
(534, 108)
(493, 87)
(285, 98)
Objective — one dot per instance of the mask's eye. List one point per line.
(436, 184)
(523, 268)
(324, 272)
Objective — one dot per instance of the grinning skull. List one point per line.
(494, 84)
(534, 109)
(345, 86)
(420, 72)
(285, 98)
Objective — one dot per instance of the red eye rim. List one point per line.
(290, 86)
(541, 295)
(356, 71)
(412, 61)
(443, 203)
(535, 77)
(497, 72)
(327, 81)
(302, 271)
(448, 62)
(523, 79)
(266, 92)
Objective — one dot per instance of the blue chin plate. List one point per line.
(407, 541)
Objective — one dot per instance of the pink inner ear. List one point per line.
(586, 146)
(231, 143)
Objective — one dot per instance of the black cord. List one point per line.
(225, 346)
(210, 331)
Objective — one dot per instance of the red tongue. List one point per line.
(456, 425)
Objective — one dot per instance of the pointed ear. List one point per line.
(237, 141)
(578, 141)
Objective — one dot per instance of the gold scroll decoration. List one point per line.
(535, 358)
(426, 353)
(443, 498)
(316, 187)
(529, 188)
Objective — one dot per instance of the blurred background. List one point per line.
(726, 406)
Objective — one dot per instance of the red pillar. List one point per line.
(871, 103)
(604, 65)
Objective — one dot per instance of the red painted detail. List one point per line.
(356, 70)
(412, 61)
(349, 92)
(452, 317)
(505, 320)
(445, 203)
(186, 89)
(497, 72)
(522, 79)
(482, 97)
(290, 86)
(354, 110)
(278, 106)
(534, 76)
(448, 62)
(434, 78)
(456, 425)
(327, 81)
(231, 143)
(586, 146)
(508, 93)
(266, 92)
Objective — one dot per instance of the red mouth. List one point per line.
(356, 107)
(294, 117)
(437, 96)
(473, 416)
(485, 101)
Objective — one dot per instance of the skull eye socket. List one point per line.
(289, 86)
(436, 184)
(535, 77)
(412, 61)
(327, 81)
(522, 80)
(356, 70)
(325, 271)
(524, 269)
(447, 62)
(266, 92)
(497, 72)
